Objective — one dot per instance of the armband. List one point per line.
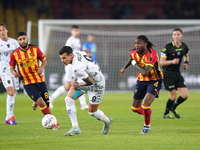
(133, 62)
(186, 62)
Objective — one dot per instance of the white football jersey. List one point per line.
(83, 66)
(6, 48)
(74, 43)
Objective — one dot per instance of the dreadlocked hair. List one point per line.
(146, 40)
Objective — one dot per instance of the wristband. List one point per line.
(186, 62)
(133, 62)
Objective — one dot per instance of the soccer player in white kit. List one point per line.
(74, 42)
(93, 83)
(11, 84)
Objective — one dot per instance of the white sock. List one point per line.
(10, 102)
(71, 110)
(99, 115)
(82, 100)
(60, 90)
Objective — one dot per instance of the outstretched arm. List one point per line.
(123, 70)
(14, 72)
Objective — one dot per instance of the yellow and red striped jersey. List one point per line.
(150, 57)
(27, 62)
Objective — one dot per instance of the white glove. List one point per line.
(133, 62)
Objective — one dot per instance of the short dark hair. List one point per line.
(75, 27)
(3, 24)
(65, 49)
(21, 34)
(178, 29)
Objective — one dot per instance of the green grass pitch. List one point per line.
(176, 134)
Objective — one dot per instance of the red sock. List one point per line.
(147, 114)
(138, 110)
(45, 110)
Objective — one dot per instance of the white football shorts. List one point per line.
(10, 80)
(95, 93)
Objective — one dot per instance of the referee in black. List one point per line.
(171, 58)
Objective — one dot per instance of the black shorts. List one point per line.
(173, 80)
(37, 90)
(144, 87)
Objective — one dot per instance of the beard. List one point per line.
(141, 51)
(24, 46)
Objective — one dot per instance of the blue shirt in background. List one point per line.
(92, 49)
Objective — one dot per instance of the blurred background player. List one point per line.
(90, 47)
(26, 57)
(94, 85)
(74, 42)
(149, 78)
(171, 58)
(7, 45)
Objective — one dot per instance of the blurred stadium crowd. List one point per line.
(15, 13)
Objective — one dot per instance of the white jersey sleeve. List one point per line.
(6, 48)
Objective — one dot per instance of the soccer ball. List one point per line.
(49, 121)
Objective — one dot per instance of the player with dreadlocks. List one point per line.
(149, 79)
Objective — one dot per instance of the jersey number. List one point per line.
(156, 84)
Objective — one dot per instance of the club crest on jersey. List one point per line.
(8, 81)
(178, 53)
(8, 45)
(31, 54)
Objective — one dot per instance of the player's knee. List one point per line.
(69, 101)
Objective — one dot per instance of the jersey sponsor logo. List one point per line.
(180, 49)
(27, 64)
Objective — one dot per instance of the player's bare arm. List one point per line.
(41, 68)
(88, 81)
(14, 72)
(186, 62)
(123, 70)
(144, 71)
(165, 62)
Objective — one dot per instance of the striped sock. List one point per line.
(138, 110)
(45, 110)
(147, 114)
